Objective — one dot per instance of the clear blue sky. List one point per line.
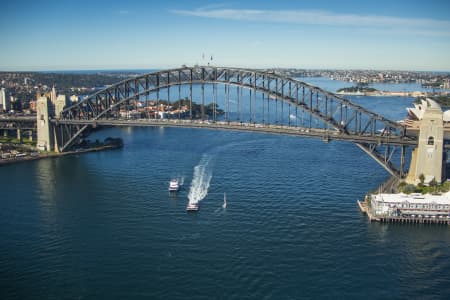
(383, 34)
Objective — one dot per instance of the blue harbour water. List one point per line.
(103, 226)
(334, 85)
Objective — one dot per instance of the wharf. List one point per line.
(364, 207)
(416, 220)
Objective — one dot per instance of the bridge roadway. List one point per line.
(325, 134)
(17, 122)
(13, 118)
(412, 128)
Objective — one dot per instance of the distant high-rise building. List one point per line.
(2, 97)
(5, 103)
(53, 95)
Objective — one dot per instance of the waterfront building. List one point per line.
(412, 205)
(132, 114)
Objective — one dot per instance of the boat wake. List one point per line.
(204, 170)
(181, 180)
(201, 179)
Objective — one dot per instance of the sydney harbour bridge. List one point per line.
(225, 98)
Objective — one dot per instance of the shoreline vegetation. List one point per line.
(184, 107)
(356, 89)
(432, 187)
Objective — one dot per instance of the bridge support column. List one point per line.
(5, 133)
(428, 158)
(44, 128)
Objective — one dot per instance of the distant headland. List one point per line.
(369, 91)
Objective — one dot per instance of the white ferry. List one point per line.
(174, 185)
(192, 206)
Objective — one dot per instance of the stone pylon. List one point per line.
(60, 104)
(428, 159)
(44, 127)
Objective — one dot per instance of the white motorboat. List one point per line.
(174, 186)
(192, 206)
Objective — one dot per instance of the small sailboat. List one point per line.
(224, 205)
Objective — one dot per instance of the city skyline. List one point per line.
(405, 35)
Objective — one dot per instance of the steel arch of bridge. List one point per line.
(337, 113)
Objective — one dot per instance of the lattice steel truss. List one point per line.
(324, 109)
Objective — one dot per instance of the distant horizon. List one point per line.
(63, 70)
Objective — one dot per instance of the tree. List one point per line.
(433, 184)
(409, 188)
(422, 179)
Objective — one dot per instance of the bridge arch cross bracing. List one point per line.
(336, 113)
